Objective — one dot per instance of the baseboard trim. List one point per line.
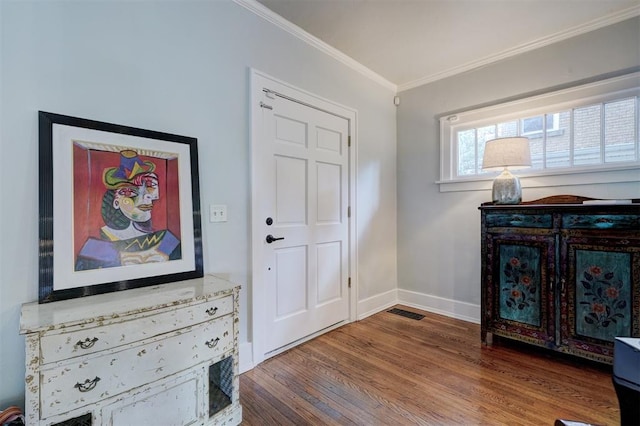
(377, 303)
(439, 305)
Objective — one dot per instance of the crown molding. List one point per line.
(277, 20)
(595, 24)
(270, 16)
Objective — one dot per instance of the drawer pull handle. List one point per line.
(87, 385)
(212, 311)
(87, 343)
(212, 343)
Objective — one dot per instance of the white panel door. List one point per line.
(304, 205)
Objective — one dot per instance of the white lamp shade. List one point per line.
(506, 152)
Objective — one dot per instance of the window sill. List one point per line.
(624, 174)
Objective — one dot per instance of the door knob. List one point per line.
(271, 238)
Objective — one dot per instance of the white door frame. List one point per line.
(260, 82)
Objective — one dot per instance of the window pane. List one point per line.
(619, 131)
(466, 152)
(558, 144)
(484, 134)
(509, 129)
(586, 127)
(531, 125)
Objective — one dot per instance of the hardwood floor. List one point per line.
(388, 369)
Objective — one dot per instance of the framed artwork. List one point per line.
(119, 208)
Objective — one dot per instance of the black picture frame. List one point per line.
(72, 156)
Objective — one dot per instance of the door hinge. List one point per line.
(349, 141)
(349, 211)
(349, 281)
(263, 105)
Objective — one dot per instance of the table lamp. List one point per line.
(503, 153)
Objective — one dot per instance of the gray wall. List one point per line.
(439, 233)
(177, 67)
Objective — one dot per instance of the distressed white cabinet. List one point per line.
(160, 355)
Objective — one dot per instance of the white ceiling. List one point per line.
(406, 43)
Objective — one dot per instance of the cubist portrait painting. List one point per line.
(126, 206)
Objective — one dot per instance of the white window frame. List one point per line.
(600, 91)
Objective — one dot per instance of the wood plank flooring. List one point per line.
(392, 370)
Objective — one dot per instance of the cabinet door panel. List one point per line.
(178, 401)
(602, 295)
(520, 303)
(519, 269)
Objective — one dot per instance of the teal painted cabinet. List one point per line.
(564, 276)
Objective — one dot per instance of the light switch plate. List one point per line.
(217, 213)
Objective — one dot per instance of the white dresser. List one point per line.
(159, 355)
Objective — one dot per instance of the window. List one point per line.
(588, 128)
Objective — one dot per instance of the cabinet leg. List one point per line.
(487, 338)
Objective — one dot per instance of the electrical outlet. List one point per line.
(217, 213)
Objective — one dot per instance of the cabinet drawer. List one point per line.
(519, 220)
(601, 221)
(90, 379)
(57, 347)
